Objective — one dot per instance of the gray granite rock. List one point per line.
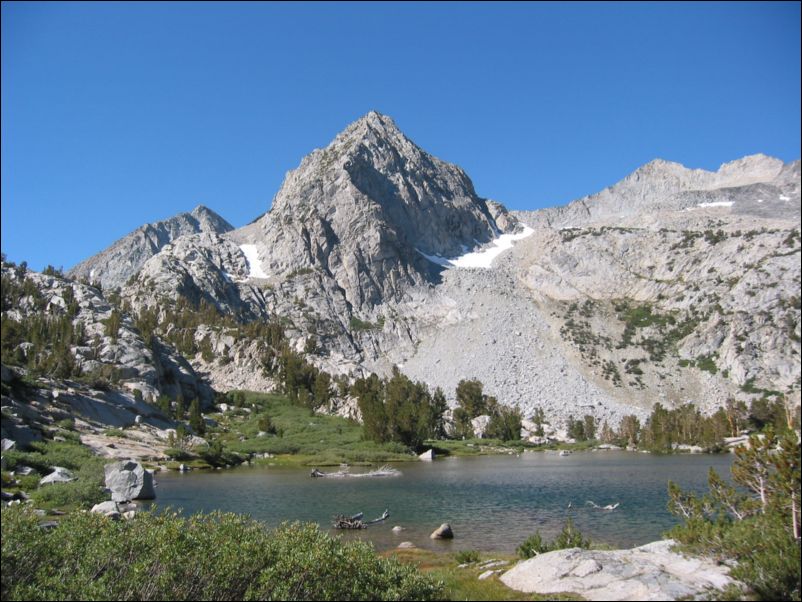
(59, 475)
(114, 266)
(650, 572)
(444, 531)
(129, 480)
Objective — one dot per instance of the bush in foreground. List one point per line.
(205, 557)
(757, 524)
(569, 537)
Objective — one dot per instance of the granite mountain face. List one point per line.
(672, 285)
(364, 209)
(113, 267)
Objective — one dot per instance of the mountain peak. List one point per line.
(373, 129)
(113, 266)
(209, 219)
(377, 119)
(366, 206)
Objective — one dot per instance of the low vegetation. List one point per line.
(272, 424)
(85, 490)
(463, 583)
(756, 523)
(204, 557)
(569, 537)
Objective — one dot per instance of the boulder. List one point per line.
(650, 572)
(128, 480)
(442, 532)
(479, 425)
(397, 529)
(59, 475)
(406, 545)
(427, 455)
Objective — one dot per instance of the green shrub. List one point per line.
(466, 556)
(756, 524)
(175, 453)
(532, 546)
(204, 557)
(85, 490)
(569, 537)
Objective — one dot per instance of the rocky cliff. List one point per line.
(113, 266)
(672, 285)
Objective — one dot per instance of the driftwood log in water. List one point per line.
(355, 522)
(383, 471)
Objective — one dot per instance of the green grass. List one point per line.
(114, 433)
(304, 437)
(356, 324)
(474, 447)
(85, 491)
(485, 447)
(463, 584)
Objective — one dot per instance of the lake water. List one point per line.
(491, 502)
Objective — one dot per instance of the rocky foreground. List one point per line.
(649, 572)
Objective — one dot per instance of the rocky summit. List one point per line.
(674, 285)
(114, 266)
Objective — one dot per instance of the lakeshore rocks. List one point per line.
(397, 529)
(406, 545)
(115, 510)
(442, 532)
(129, 480)
(649, 572)
(427, 455)
(59, 475)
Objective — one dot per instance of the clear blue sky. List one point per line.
(114, 115)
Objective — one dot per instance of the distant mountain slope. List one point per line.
(758, 185)
(113, 266)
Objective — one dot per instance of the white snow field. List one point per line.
(254, 265)
(480, 259)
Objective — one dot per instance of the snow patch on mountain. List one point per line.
(480, 259)
(254, 265)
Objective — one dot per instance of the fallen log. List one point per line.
(383, 471)
(355, 522)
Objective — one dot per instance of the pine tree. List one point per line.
(196, 418)
(179, 407)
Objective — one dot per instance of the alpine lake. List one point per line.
(493, 503)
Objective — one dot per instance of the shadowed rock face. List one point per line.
(113, 266)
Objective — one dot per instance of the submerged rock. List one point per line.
(442, 532)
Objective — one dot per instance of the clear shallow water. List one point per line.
(491, 502)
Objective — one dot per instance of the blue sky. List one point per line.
(114, 115)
